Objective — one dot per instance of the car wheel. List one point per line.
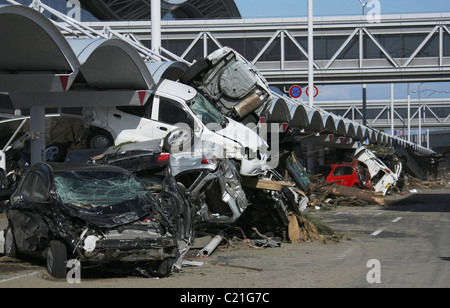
(10, 243)
(55, 153)
(99, 139)
(56, 259)
(3, 178)
(164, 268)
(193, 71)
(177, 139)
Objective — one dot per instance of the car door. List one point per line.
(342, 175)
(170, 115)
(26, 216)
(132, 123)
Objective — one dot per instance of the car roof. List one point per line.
(175, 89)
(343, 164)
(63, 167)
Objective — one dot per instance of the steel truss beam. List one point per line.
(280, 40)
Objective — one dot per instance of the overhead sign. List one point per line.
(316, 91)
(295, 91)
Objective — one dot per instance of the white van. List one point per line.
(381, 176)
(173, 113)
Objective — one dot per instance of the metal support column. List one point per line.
(156, 26)
(392, 109)
(37, 134)
(409, 114)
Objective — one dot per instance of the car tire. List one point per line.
(3, 178)
(55, 153)
(193, 71)
(10, 248)
(177, 139)
(99, 138)
(57, 259)
(164, 268)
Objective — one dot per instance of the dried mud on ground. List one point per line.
(242, 264)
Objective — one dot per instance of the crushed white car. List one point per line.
(232, 83)
(180, 115)
(381, 176)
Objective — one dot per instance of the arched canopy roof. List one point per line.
(359, 134)
(44, 61)
(30, 42)
(349, 129)
(315, 120)
(366, 133)
(340, 127)
(111, 64)
(329, 123)
(299, 118)
(278, 112)
(166, 70)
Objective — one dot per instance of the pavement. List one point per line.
(404, 244)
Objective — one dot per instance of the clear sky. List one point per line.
(298, 8)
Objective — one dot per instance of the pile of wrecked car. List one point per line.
(206, 170)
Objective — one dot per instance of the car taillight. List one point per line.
(163, 157)
(213, 160)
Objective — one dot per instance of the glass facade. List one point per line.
(67, 7)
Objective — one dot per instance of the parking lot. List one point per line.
(408, 238)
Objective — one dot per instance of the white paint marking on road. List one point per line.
(396, 219)
(345, 253)
(378, 213)
(338, 213)
(17, 277)
(377, 232)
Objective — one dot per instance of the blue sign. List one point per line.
(295, 91)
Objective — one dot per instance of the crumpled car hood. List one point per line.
(111, 216)
(244, 136)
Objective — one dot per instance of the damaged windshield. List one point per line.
(206, 111)
(91, 189)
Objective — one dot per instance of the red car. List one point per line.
(352, 175)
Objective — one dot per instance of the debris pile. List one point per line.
(414, 183)
(331, 194)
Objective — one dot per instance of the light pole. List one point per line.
(419, 110)
(310, 53)
(409, 114)
(364, 94)
(364, 4)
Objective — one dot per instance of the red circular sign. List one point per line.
(315, 88)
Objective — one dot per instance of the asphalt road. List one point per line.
(403, 245)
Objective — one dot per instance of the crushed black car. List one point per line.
(99, 215)
(134, 156)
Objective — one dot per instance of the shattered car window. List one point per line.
(206, 111)
(89, 189)
(298, 172)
